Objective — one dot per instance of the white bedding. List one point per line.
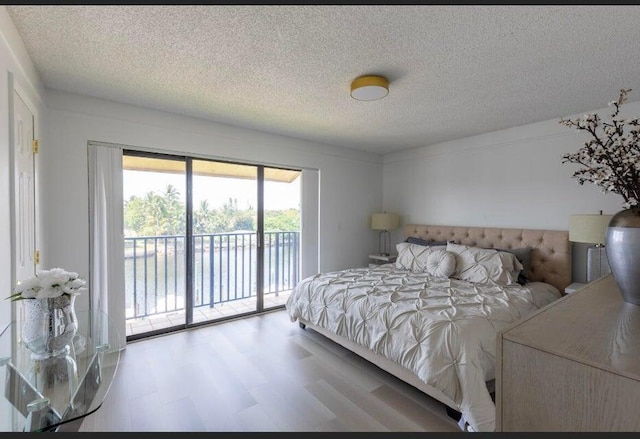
(443, 330)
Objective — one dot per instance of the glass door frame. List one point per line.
(178, 158)
(189, 241)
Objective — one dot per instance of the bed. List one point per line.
(431, 326)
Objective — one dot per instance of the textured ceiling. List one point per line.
(454, 71)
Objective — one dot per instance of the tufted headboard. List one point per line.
(550, 254)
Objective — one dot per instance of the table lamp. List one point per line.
(591, 229)
(384, 222)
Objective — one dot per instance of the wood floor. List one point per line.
(258, 374)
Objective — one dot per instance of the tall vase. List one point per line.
(49, 325)
(623, 252)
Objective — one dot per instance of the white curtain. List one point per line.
(106, 253)
(309, 241)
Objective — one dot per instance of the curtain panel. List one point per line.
(106, 241)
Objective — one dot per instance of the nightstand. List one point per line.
(375, 260)
(573, 287)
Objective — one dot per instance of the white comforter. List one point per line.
(443, 330)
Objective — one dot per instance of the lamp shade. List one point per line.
(588, 228)
(384, 221)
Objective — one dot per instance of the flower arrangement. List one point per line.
(48, 284)
(611, 158)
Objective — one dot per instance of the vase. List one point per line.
(623, 252)
(49, 325)
(624, 347)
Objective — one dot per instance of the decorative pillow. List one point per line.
(481, 265)
(413, 256)
(524, 256)
(420, 241)
(441, 263)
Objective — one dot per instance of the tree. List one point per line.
(161, 214)
(155, 214)
(282, 220)
(201, 218)
(174, 209)
(134, 214)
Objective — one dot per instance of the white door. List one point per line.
(24, 184)
(23, 219)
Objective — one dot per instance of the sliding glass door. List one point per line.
(225, 239)
(206, 240)
(154, 195)
(282, 201)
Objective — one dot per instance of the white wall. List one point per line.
(350, 184)
(508, 178)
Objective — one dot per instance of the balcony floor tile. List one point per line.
(140, 325)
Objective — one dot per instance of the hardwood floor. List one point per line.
(261, 373)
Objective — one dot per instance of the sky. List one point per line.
(217, 190)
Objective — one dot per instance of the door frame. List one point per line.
(189, 263)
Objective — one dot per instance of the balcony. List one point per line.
(224, 277)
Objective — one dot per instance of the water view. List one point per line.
(224, 270)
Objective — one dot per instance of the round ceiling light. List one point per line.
(369, 88)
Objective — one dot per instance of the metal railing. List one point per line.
(224, 269)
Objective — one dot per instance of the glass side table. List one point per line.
(55, 393)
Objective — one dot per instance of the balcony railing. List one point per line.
(224, 269)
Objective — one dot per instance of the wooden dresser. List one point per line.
(574, 365)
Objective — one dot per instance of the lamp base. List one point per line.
(384, 240)
(597, 263)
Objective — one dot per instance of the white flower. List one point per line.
(49, 284)
(28, 285)
(611, 159)
(48, 293)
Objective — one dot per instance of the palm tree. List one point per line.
(201, 218)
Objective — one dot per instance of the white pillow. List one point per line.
(481, 265)
(413, 256)
(441, 263)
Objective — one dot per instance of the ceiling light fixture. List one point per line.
(369, 88)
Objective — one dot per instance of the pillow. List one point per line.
(420, 241)
(524, 256)
(413, 256)
(481, 265)
(441, 263)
